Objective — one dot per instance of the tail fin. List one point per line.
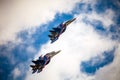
(32, 66)
(49, 36)
(51, 31)
(34, 62)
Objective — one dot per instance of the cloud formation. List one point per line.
(111, 71)
(80, 42)
(16, 73)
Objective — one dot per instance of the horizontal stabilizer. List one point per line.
(51, 31)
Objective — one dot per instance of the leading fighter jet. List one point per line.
(56, 32)
(42, 61)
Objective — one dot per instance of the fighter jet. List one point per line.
(42, 61)
(57, 31)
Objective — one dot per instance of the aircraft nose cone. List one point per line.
(58, 51)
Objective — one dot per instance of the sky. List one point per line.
(90, 46)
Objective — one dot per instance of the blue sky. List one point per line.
(90, 44)
(95, 63)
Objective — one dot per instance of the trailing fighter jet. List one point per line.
(56, 32)
(42, 61)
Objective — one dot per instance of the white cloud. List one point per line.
(111, 71)
(25, 14)
(16, 73)
(106, 17)
(79, 42)
(31, 49)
